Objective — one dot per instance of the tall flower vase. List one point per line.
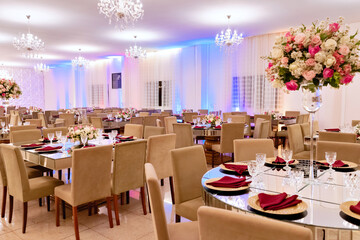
(311, 102)
(5, 103)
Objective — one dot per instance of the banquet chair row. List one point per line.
(345, 151)
(337, 137)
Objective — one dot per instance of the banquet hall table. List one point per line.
(323, 200)
(114, 124)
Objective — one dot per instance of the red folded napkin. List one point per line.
(124, 138)
(332, 129)
(277, 202)
(199, 127)
(337, 163)
(280, 160)
(240, 169)
(47, 139)
(33, 145)
(47, 148)
(218, 127)
(355, 208)
(88, 146)
(230, 182)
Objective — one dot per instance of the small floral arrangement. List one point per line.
(72, 111)
(320, 55)
(76, 132)
(186, 111)
(212, 119)
(125, 115)
(36, 109)
(9, 89)
(357, 130)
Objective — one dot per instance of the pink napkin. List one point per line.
(277, 202)
(230, 182)
(355, 208)
(240, 169)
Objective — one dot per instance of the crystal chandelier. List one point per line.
(80, 61)
(121, 11)
(135, 51)
(41, 67)
(29, 43)
(228, 38)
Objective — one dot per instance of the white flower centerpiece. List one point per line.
(212, 119)
(76, 132)
(357, 131)
(125, 115)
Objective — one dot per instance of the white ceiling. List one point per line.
(67, 25)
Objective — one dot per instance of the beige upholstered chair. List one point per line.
(128, 171)
(292, 113)
(156, 114)
(184, 135)
(238, 226)
(238, 113)
(159, 123)
(36, 122)
(68, 118)
(203, 111)
(305, 129)
(262, 128)
(41, 116)
(189, 165)
(153, 131)
(344, 151)
(296, 142)
(164, 231)
(135, 130)
(150, 120)
(302, 118)
(102, 115)
(337, 137)
(246, 149)
(158, 154)
(137, 120)
(14, 119)
(20, 186)
(166, 114)
(237, 118)
(229, 132)
(188, 116)
(143, 114)
(98, 110)
(266, 117)
(97, 122)
(25, 136)
(88, 184)
(169, 121)
(226, 115)
(24, 127)
(64, 131)
(355, 122)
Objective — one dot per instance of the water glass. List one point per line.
(58, 134)
(330, 159)
(84, 139)
(260, 160)
(3, 126)
(252, 168)
(51, 137)
(63, 140)
(194, 121)
(287, 155)
(109, 116)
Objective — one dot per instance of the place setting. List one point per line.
(331, 164)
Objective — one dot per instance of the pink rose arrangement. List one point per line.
(9, 89)
(75, 133)
(212, 119)
(126, 114)
(320, 55)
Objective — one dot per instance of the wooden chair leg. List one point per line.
(48, 203)
(222, 158)
(90, 209)
(68, 173)
(162, 182)
(63, 209)
(57, 211)
(127, 197)
(11, 207)
(51, 174)
(40, 202)
(177, 218)
(25, 210)
(232, 157)
(96, 209)
(142, 193)
(212, 159)
(148, 198)
(60, 174)
(116, 208)
(122, 199)
(3, 204)
(76, 223)
(172, 190)
(108, 203)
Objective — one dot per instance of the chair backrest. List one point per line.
(169, 121)
(337, 137)
(156, 203)
(41, 116)
(158, 153)
(150, 120)
(2, 170)
(237, 118)
(17, 178)
(153, 131)
(98, 110)
(25, 136)
(91, 174)
(245, 226)
(20, 128)
(355, 122)
(97, 122)
(155, 114)
(143, 114)
(137, 120)
(102, 115)
(188, 116)
(246, 149)
(128, 171)
(135, 130)
(238, 113)
(226, 115)
(64, 131)
(159, 123)
(230, 132)
(184, 135)
(344, 151)
(264, 129)
(203, 111)
(14, 119)
(69, 118)
(189, 166)
(165, 114)
(302, 118)
(305, 129)
(36, 122)
(292, 113)
(296, 138)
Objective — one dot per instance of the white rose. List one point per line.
(330, 60)
(276, 53)
(320, 57)
(344, 40)
(293, 66)
(330, 44)
(277, 83)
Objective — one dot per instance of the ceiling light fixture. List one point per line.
(80, 61)
(29, 43)
(123, 12)
(135, 51)
(228, 38)
(41, 67)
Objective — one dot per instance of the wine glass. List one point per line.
(252, 169)
(109, 116)
(63, 140)
(58, 134)
(3, 126)
(330, 159)
(260, 160)
(84, 139)
(287, 155)
(194, 121)
(51, 137)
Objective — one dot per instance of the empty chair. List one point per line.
(305, 129)
(143, 114)
(184, 135)
(237, 118)
(128, 171)
(64, 131)
(97, 122)
(189, 166)
(203, 111)
(98, 110)
(246, 149)
(137, 120)
(20, 128)
(164, 231)
(262, 128)
(226, 115)
(87, 184)
(165, 114)
(292, 114)
(229, 132)
(69, 118)
(188, 116)
(150, 121)
(238, 226)
(337, 137)
(155, 114)
(14, 119)
(36, 122)
(25, 136)
(302, 118)
(41, 116)
(169, 112)
(169, 121)
(355, 122)
(158, 154)
(344, 151)
(238, 113)
(153, 131)
(296, 142)
(103, 115)
(134, 130)
(20, 186)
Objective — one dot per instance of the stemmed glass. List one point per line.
(298, 178)
(109, 116)
(58, 134)
(194, 121)
(113, 134)
(330, 159)
(84, 139)
(198, 120)
(287, 155)
(3, 126)
(252, 169)
(63, 140)
(51, 137)
(260, 160)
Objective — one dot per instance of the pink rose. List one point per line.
(309, 75)
(288, 48)
(313, 50)
(289, 38)
(310, 62)
(270, 65)
(339, 58)
(344, 50)
(284, 61)
(292, 85)
(300, 38)
(347, 68)
(3, 94)
(347, 79)
(334, 27)
(316, 40)
(328, 73)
